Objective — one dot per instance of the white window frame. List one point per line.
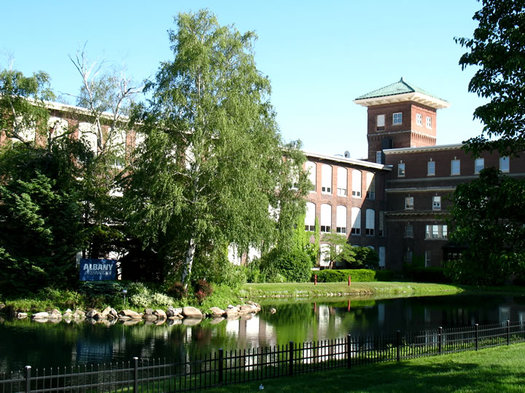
(409, 203)
(370, 186)
(370, 222)
(356, 183)
(309, 218)
(429, 122)
(355, 221)
(342, 181)
(326, 179)
(436, 232)
(419, 119)
(436, 202)
(326, 218)
(397, 118)
(340, 219)
(380, 121)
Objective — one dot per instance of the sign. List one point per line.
(98, 269)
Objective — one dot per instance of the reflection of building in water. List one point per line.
(252, 332)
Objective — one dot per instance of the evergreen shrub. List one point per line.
(357, 275)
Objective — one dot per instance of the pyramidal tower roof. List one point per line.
(400, 91)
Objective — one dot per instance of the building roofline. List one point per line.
(345, 160)
(405, 150)
(417, 97)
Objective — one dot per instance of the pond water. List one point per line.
(43, 345)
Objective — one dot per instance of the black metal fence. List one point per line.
(230, 367)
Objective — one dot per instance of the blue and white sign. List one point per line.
(98, 269)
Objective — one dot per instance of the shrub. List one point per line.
(334, 275)
(177, 290)
(203, 289)
(294, 266)
(426, 274)
(162, 300)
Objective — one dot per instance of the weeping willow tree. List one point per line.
(213, 169)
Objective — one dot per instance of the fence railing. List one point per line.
(230, 367)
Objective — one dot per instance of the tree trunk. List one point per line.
(186, 272)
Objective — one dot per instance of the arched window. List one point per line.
(326, 179)
(342, 181)
(309, 219)
(310, 168)
(370, 186)
(356, 183)
(370, 222)
(341, 219)
(326, 218)
(356, 221)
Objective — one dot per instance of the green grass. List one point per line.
(498, 370)
(376, 289)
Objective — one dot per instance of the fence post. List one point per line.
(28, 379)
(135, 374)
(440, 339)
(508, 332)
(290, 358)
(349, 350)
(476, 334)
(398, 345)
(221, 365)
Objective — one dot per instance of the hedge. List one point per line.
(357, 275)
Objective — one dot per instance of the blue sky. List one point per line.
(319, 55)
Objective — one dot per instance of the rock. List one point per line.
(55, 314)
(131, 322)
(21, 315)
(273, 310)
(216, 321)
(173, 312)
(68, 314)
(216, 312)
(79, 314)
(109, 313)
(175, 321)
(232, 313)
(149, 317)
(148, 311)
(92, 314)
(247, 309)
(41, 315)
(131, 314)
(161, 315)
(192, 312)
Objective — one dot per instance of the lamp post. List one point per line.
(124, 292)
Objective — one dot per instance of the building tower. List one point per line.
(399, 115)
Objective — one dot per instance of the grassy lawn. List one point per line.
(499, 369)
(376, 289)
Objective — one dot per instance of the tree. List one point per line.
(213, 164)
(22, 104)
(488, 216)
(498, 49)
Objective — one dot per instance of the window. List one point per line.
(380, 122)
(409, 203)
(326, 218)
(326, 179)
(436, 202)
(409, 231)
(312, 174)
(455, 167)
(436, 232)
(309, 219)
(356, 183)
(504, 164)
(325, 255)
(397, 118)
(401, 169)
(381, 226)
(428, 258)
(419, 119)
(408, 255)
(356, 221)
(379, 157)
(382, 256)
(431, 168)
(370, 186)
(342, 181)
(429, 122)
(370, 222)
(341, 219)
(479, 164)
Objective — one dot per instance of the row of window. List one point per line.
(326, 225)
(436, 203)
(342, 180)
(397, 119)
(455, 166)
(432, 231)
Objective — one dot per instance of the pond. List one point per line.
(43, 345)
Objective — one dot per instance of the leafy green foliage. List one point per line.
(496, 49)
(281, 265)
(334, 275)
(426, 274)
(212, 161)
(489, 221)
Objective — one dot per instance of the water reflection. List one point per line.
(41, 345)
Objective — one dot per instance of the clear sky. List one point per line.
(319, 55)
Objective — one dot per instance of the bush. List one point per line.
(203, 289)
(426, 274)
(177, 290)
(335, 275)
(280, 265)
